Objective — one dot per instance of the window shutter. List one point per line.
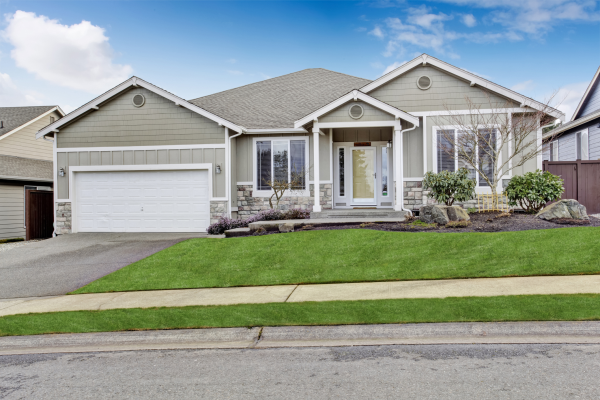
(584, 145)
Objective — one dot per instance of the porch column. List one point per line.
(398, 167)
(316, 172)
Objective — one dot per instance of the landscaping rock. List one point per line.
(457, 213)
(287, 227)
(564, 209)
(441, 214)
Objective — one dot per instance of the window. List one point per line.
(554, 150)
(582, 145)
(384, 171)
(449, 160)
(51, 119)
(342, 188)
(281, 159)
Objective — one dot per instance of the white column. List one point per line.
(316, 172)
(398, 167)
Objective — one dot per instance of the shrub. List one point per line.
(224, 223)
(458, 224)
(471, 210)
(447, 187)
(296, 213)
(533, 190)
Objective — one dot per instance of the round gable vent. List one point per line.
(424, 82)
(356, 111)
(138, 100)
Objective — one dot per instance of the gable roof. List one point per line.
(26, 169)
(475, 80)
(134, 81)
(572, 124)
(14, 118)
(588, 91)
(278, 102)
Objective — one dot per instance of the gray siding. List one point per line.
(567, 142)
(594, 138)
(24, 144)
(370, 113)
(413, 151)
(159, 122)
(11, 211)
(567, 147)
(142, 157)
(446, 91)
(592, 102)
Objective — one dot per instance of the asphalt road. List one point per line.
(62, 264)
(370, 372)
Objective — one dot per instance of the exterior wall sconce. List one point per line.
(61, 172)
(218, 169)
(389, 144)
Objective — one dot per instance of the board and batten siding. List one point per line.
(12, 211)
(158, 122)
(370, 113)
(445, 91)
(213, 156)
(24, 144)
(593, 101)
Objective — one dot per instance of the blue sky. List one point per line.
(67, 52)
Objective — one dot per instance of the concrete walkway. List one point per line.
(301, 293)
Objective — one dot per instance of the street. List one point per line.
(483, 371)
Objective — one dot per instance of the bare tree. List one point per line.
(296, 181)
(489, 141)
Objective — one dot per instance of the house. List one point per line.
(139, 158)
(578, 139)
(25, 163)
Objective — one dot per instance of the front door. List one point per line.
(364, 176)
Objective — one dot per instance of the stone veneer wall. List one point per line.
(248, 205)
(415, 197)
(217, 210)
(63, 218)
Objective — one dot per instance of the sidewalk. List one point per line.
(539, 285)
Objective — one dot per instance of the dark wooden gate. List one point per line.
(581, 181)
(39, 214)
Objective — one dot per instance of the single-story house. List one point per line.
(139, 158)
(578, 139)
(25, 163)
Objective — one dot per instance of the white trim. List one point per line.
(585, 95)
(321, 182)
(317, 171)
(63, 200)
(54, 184)
(424, 144)
(331, 162)
(465, 75)
(135, 82)
(354, 96)
(583, 133)
(18, 128)
(362, 111)
(130, 148)
(467, 112)
(412, 179)
(554, 149)
(275, 130)
(357, 124)
(243, 183)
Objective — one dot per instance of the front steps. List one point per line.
(359, 213)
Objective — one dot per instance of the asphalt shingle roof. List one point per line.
(19, 167)
(278, 102)
(13, 117)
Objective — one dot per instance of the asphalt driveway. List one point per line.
(62, 264)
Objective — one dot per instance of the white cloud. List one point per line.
(522, 86)
(77, 56)
(234, 72)
(377, 32)
(469, 20)
(393, 66)
(12, 96)
(568, 97)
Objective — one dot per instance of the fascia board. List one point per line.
(585, 95)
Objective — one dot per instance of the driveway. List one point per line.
(62, 264)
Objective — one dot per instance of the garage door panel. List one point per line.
(142, 201)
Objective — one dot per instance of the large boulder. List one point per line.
(564, 209)
(441, 214)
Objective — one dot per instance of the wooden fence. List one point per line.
(581, 181)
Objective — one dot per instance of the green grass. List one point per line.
(452, 309)
(356, 255)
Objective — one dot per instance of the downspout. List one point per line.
(401, 167)
(54, 184)
(229, 172)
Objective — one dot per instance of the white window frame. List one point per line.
(553, 150)
(478, 189)
(288, 193)
(584, 138)
(337, 166)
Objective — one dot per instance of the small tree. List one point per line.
(280, 185)
(491, 141)
(447, 187)
(533, 190)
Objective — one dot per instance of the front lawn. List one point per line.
(452, 309)
(356, 255)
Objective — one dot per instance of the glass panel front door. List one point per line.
(363, 175)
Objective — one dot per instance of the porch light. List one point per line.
(389, 144)
(218, 169)
(61, 172)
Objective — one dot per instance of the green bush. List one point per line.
(533, 190)
(447, 187)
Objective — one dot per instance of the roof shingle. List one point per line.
(13, 117)
(26, 168)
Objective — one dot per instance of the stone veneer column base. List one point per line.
(63, 218)
(248, 205)
(218, 209)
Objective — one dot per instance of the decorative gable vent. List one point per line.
(138, 100)
(356, 111)
(424, 82)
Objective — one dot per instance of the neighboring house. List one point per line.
(25, 163)
(578, 139)
(139, 158)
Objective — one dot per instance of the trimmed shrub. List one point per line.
(533, 190)
(224, 223)
(297, 213)
(447, 187)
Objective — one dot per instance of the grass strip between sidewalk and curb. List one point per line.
(451, 309)
(358, 255)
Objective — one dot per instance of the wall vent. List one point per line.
(424, 82)
(356, 111)
(138, 100)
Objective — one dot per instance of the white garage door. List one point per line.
(142, 201)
